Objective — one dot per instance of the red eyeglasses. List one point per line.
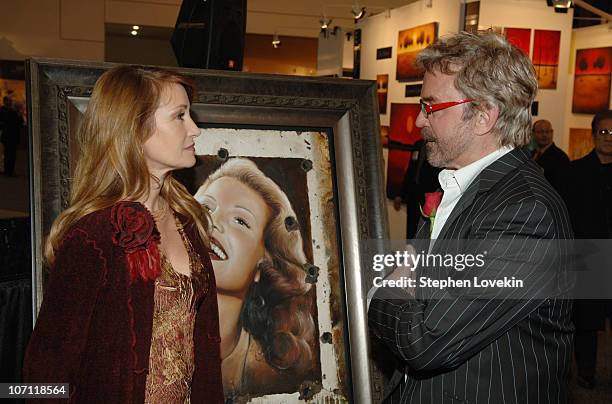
(428, 109)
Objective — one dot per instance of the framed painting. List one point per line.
(316, 140)
(519, 37)
(403, 133)
(580, 143)
(546, 45)
(592, 80)
(409, 43)
(382, 89)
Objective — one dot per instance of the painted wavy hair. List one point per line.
(277, 308)
(111, 165)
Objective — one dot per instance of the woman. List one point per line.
(129, 313)
(267, 330)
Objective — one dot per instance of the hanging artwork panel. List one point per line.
(409, 43)
(546, 46)
(402, 136)
(519, 37)
(592, 80)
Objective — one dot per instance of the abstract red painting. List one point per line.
(546, 46)
(592, 80)
(519, 37)
(403, 132)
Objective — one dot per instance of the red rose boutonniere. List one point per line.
(429, 210)
(136, 233)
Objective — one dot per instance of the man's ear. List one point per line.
(485, 119)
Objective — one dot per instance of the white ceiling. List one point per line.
(301, 17)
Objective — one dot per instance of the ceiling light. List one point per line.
(325, 22)
(136, 27)
(275, 41)
(562, 3)
(358, 13)
(134, 32)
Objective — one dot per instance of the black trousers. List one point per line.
(10, 156)
(585, 348)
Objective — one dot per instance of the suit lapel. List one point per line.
(490, 176)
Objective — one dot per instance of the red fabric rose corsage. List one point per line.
(136, 233)
(430, 208)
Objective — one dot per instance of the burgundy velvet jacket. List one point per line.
(94, 326)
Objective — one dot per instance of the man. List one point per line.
(589, 200)
(553, 160)
(10, 125)
(470, 345)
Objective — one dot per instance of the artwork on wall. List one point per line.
(382, 88)
(580, 143)
(384, 53)
(12, 84)
(413, 90)
(403, 132)
(546, 46)
(409, 43)
(592, 80)
(519, 37)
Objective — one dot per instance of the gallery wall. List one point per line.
(380, 31)
(599, 36)
(536, 15)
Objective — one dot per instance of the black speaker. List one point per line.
(209, 34)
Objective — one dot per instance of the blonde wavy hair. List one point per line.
(277, 309)
(111, 166)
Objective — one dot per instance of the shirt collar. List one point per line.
(463, 177)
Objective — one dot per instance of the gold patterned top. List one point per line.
(177, 296)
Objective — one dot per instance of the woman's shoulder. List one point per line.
(122, 221)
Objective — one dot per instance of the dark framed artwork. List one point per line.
(546, 47)
(413, 90)
(409, 43)
(317, 139)
(382, 89)
(580, 142)
(384, 53)
(12, 84)
(592, 80)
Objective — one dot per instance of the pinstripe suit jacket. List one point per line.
(469, 349)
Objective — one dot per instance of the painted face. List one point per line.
(448, 138)
(603, 143)
(171, 145)
(543, 133)
(240, 216)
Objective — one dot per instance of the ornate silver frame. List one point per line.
(58, 89)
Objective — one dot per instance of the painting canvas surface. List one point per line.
(580, 143)
(592, 80)
(403, 132)
(409, 43)
(546, 45)
(382, 88)
(299, 163)
(519, 37)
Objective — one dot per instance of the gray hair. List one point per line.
(491, 71)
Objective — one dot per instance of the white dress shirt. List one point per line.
(456, 182)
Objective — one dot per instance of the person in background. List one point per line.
(420, 178)
(589, 200)
(553, 160)
(10, 126)
(129, 313)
